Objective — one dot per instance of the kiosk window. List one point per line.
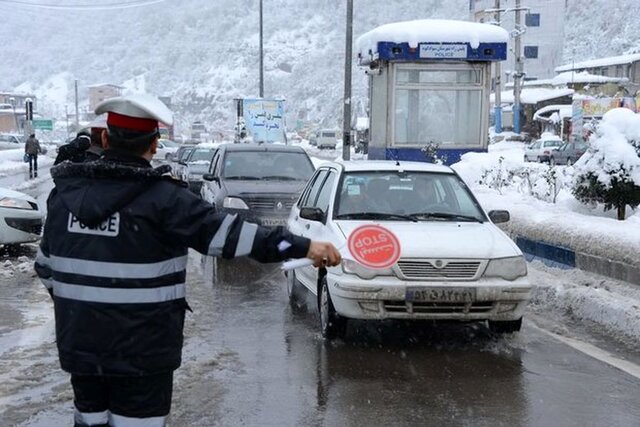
(444, 116)
(438, 76)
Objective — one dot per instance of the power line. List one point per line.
(108, 6)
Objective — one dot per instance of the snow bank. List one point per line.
(600, 62)
(566, 223)
(430, 31)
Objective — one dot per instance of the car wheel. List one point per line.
(295, 291)
(552, 161)
(332, 325)
(569, 161)
(539, 159)
(505, 327)
(526, 159)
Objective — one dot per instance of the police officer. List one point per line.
(87, 145)
(113, 256)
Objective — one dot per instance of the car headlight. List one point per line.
(9, 202)
(234, 203)
(353, 267)
(507, 268)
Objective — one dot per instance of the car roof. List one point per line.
(262, 147)
(387, 165)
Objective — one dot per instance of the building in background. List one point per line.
(542, 42)
(613, 67)
(102, 91)
(12, 111)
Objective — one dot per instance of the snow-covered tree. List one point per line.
(609, 172)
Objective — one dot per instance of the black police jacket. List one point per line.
(113, 256)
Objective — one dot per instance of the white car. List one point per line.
(453, 264)
(166, 149)
(327, 138)
(540, 151)
(10, 141)
(20, 218)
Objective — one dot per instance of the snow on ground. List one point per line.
(11, 162)
(565, 222)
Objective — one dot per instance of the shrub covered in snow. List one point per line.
(609, 172)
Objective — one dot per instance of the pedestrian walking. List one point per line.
(113, 257)
(32, 149)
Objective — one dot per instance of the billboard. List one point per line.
(264, 119)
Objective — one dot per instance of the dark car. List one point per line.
(178, 161)
(568, 153)
(197, 164)
(260, 182)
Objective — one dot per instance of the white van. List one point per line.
(326, 138)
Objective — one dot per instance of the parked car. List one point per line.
(197, 164)
(454, 263)
(10, 141)
(166, 149)
(568, 153)
(20, 218)
(327, 138)
(540, 151)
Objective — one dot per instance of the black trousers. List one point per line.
(33, 162)
(135, 397)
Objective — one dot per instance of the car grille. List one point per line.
(271, 204)
(33, 226)
(438, 307)
(427, 270)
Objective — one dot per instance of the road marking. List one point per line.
(597, 353)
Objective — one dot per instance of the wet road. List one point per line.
(250, 360)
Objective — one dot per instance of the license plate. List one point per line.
(272, 222)
(441, 294)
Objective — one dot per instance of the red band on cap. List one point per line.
(133, 123)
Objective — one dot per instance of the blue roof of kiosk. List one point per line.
(433, 39)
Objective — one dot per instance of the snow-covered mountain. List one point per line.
(204, 53)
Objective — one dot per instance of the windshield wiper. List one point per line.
(375, 215)
(243, 178)
(445, 215)
(280, 178)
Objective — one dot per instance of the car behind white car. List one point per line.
(20, 218)
(454, 263)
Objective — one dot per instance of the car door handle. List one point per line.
(307, 226)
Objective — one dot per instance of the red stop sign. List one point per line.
(374, 246)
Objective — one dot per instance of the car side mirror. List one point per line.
(312, 214)
(210, 177)
(498, 217)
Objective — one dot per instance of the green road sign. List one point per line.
(42, 124)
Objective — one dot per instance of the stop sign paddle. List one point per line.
(374, 246)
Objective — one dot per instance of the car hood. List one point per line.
(5, 192)
(272, 186)
(436, 239)
(199, 168)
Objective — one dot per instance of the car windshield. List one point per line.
(267, 165)
(393, 195)
(202, 155)
(552, 143)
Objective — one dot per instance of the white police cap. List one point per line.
(99, 122)
(140, 112)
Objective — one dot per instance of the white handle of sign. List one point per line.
(296, 263)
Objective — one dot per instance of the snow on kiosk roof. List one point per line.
(433, 39)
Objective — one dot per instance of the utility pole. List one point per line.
(498, 85)
(346, 118)
(518, 74)
(261, 56)
(77, 112)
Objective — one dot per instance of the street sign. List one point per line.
(42, 124)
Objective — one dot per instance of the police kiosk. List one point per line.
(429, 85)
